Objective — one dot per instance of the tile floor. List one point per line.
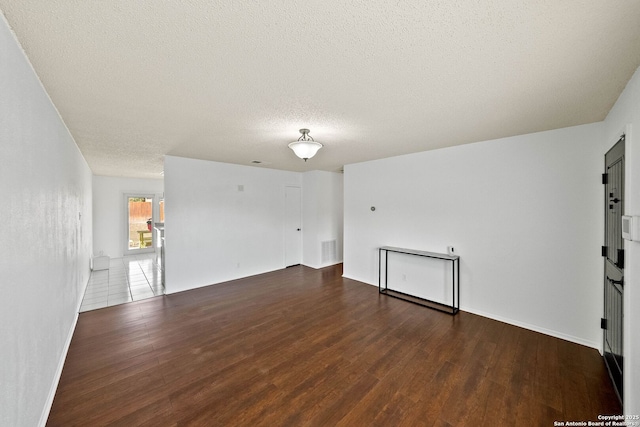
(130, 278)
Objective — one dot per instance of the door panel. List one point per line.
(293, 226)
(614, 264)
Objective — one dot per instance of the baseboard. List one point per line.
(229, 279)
(535, 328)
(359, 280)
(550, 332)
(56, 379)
(318, 267)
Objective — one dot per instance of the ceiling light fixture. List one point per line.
(305, 147)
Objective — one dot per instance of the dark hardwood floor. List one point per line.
(303, 347)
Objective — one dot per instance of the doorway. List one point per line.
(613, 253)
(139, 237)
(293, 227)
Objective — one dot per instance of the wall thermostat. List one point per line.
(631, 228)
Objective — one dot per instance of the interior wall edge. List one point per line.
(550, 332)
(56, 379)
(319, 266)
(47, 213)
(221, 282)
(352, 277)
(524, 325)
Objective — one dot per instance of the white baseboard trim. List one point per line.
(359, 280)
(56, 379)
(318, 267)
(63, 357)
(228, 279)
(535, 328)
(550, 332)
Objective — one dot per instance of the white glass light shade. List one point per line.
(305, 149)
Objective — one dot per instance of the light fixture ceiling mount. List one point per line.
(305, 147)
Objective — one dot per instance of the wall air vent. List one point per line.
(329, 251)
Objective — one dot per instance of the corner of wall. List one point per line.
(58, 374)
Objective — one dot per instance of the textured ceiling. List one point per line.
(233, 81)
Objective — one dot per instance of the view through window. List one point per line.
(140, 219)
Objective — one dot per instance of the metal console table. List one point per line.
(455, 279)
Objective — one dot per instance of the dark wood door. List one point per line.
(613, 253)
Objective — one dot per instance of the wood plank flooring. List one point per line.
(304, 347)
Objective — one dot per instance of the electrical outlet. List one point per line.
(452, 250)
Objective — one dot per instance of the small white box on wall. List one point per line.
(631, 228)
(100, 262)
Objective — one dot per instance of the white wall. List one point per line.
(45, 193)
(525, 214)
(625, 117)
(213, 231)
(109, 221)
(322, 210)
